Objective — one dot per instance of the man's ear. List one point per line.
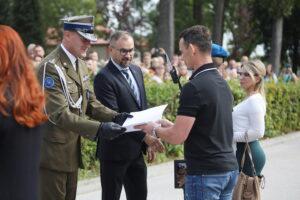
(110, 48)
(67, 35)
(193, 48)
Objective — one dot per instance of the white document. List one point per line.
(143, 117)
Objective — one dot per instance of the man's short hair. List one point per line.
(197, 35)
(117, 35)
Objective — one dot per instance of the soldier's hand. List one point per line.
(155, 143)
(110, 130)
(151, 155)
(120, 118)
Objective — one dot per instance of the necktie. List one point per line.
(130, 83)
(76, 64)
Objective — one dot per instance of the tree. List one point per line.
(217, 35)
(5, 10)
(188, 13)
(27, 20)
(198, 11)
(240, 22)
(291, 43)
(129, 15)
(184, 18)
(276, 42)
(276, 10)
(53, 11)
(166, 26)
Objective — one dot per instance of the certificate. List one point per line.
(143, 117)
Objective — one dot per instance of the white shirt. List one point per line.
(249, 116)
(70, 56)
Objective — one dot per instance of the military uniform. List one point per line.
(69, 99)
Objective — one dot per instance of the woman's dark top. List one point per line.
(20, 156)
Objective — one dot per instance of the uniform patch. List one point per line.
(86, 77)
(49, 82)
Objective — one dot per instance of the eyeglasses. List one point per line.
(124, 52)
(245, 74)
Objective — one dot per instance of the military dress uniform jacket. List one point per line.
(61, 143)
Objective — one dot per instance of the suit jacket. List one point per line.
(113, 90)
(61, 143)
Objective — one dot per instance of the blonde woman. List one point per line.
(248, 116)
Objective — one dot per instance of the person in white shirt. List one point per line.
(248, 116)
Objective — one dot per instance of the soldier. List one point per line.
(69, 98)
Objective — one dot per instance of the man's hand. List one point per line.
(110, 130)
(164, 123)
(151, 155)
(147, 128)
(120, 118)
(155, 143)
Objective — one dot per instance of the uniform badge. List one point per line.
(86, 77)
(49, 82)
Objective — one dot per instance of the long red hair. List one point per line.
(20, 92)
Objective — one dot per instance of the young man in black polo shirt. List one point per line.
(203, 122)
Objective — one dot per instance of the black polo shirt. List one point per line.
(207, 97)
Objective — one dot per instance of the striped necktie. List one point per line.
(130, 83)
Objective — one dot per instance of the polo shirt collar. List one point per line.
(202, 68)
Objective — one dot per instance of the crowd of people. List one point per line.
(153, 65)
(36, 54)
(45, 101)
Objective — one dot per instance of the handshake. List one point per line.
(112, 130)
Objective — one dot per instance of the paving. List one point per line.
(282, 172)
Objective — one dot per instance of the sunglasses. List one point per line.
(245, 74)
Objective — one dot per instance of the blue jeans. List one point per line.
(210, 187)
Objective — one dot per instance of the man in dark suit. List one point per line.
(120, 87)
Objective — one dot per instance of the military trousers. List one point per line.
(56, 185)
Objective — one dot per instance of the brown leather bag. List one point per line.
(247, 187)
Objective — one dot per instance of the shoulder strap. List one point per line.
(248, 149)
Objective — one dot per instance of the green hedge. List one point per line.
(283, 112)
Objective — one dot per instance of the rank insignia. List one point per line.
(49, 82)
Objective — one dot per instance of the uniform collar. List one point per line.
(70, 56)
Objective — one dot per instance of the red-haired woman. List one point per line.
(21, 114)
